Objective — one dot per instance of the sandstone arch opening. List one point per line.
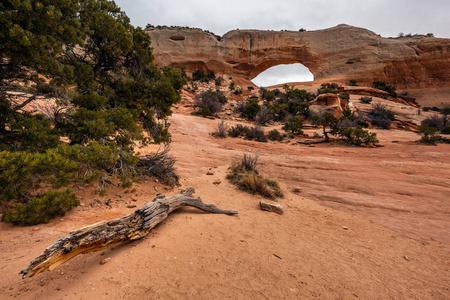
(283, 73)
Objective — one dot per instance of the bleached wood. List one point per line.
(119, 231)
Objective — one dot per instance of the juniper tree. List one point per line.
(87, 57)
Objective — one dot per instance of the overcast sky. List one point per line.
(385, 17)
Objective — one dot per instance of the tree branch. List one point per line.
(119, 231)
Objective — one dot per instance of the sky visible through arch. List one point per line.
(283, 74)
(385, 17)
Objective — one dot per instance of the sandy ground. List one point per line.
(368, 223)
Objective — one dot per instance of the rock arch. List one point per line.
(340, 53)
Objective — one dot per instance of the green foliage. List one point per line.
(267, 94)
(328, 88)
(357, 136)
(353, 82)
(199, 75)
(275, 135)
(429, 134)
(238, 130)
(298, 108)
(445, 130)
(98, 68)
(94, 62)
(381, 85)
(250, 109)
(20, 131)
(326, 120)
(248, 133)
(22, 177)
(366, 99)
(295, 94)
(279, 110)
(345, 96)
(32, 181)
(42, 209)
(245, 175)
(293, 126)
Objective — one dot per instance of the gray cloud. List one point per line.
(385, 17)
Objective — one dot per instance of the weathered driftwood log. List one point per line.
(119, 231)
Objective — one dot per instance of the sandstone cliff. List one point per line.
(340, 53)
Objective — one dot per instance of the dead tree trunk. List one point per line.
(119, 231)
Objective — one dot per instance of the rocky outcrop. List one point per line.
(340, 53)
(329, 103)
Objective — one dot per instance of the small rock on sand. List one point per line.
(106, 260)
(269, 205)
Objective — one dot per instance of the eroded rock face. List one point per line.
(329, 103)
(340, 53)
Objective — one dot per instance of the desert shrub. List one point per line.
(221, 130)
(385, 87)
(249, 133)
(256, 134)
(238, 130)
(429, 134)
(249, 162)
(199, 75)
(275, 135)
(42, 209)
(290, 93)
(434, 108)
(353, 82)
(160, 165)
(345, 96)
(445, 111)
(268, 95)
(238, 91)
(381, 116)
(23, 177)
(208, 103)
(295, 107)
(366, 99)
(263, 116)
(250, 109)
(231, 87)
(445, 130)
(357, 136)
(245, 175)
(293, 126)
(279, 110)
(437, 121)
(328, 88)
(326, 120)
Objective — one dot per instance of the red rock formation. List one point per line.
(340, 53)
(330, 103)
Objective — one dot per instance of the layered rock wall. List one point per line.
(340, 53)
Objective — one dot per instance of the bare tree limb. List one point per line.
(119, 231)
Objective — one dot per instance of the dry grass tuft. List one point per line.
(245, 175)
